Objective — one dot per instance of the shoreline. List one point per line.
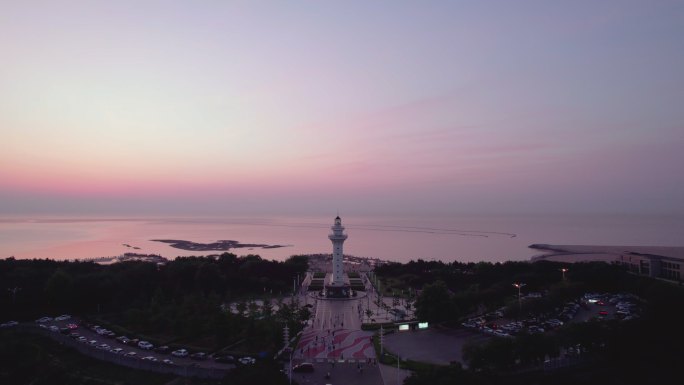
(588, 253)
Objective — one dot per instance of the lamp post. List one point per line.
(519, 285)
(564, 270)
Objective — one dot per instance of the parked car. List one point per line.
(9, 324)
(168, 362)
(162, 349)
(72, 326)
(145, 345)
(247, 360)
(150, 358)
(131, 354)
(199, 356)
(123, 339)
(224, 359)
(304, 367)
(63, 317)
(117, 350)
(180, 353)
(43, 320)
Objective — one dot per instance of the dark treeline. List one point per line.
(179, 301)
(644, 350)
(454, 290)
(81, 287)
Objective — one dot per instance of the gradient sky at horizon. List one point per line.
(177, 107)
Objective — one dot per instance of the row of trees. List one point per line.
(181, 300)
(630, 352)
(450, 291)
(81, 287)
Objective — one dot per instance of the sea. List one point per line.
(465, 238)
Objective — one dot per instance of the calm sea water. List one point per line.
(472, 238)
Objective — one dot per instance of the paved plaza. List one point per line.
(339, 344)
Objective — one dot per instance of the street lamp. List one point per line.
(519, 285)
(564, 270)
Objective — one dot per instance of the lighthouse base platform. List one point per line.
(337, 291)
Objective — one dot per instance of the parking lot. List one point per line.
(98, 343)
(442, 346)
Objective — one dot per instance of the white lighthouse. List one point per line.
(337, 237)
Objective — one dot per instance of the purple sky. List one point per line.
(177, 107)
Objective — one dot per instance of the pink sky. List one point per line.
(135, 107)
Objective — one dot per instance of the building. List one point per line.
(656, 266)
(661, 262)
(338, 287)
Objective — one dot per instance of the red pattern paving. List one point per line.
(345, 343)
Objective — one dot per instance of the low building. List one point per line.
(656, 266)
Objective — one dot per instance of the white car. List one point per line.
(499, 333)
(117, 351)
(54, 328)
(180, 353)
(247, 360)
(44, 320)
(145, 345)
(9, 324)
(103, 347)
(63, 317)
(168, 361)
(131, 354)
(150, 358)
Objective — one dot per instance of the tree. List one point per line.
(434, 303)
(369, 314)
(408, 304)
(59, 288)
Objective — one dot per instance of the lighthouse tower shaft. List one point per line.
(337, 237)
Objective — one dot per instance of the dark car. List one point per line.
(224, 359)
(303, 367)
(199, 356)
(163, 349)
